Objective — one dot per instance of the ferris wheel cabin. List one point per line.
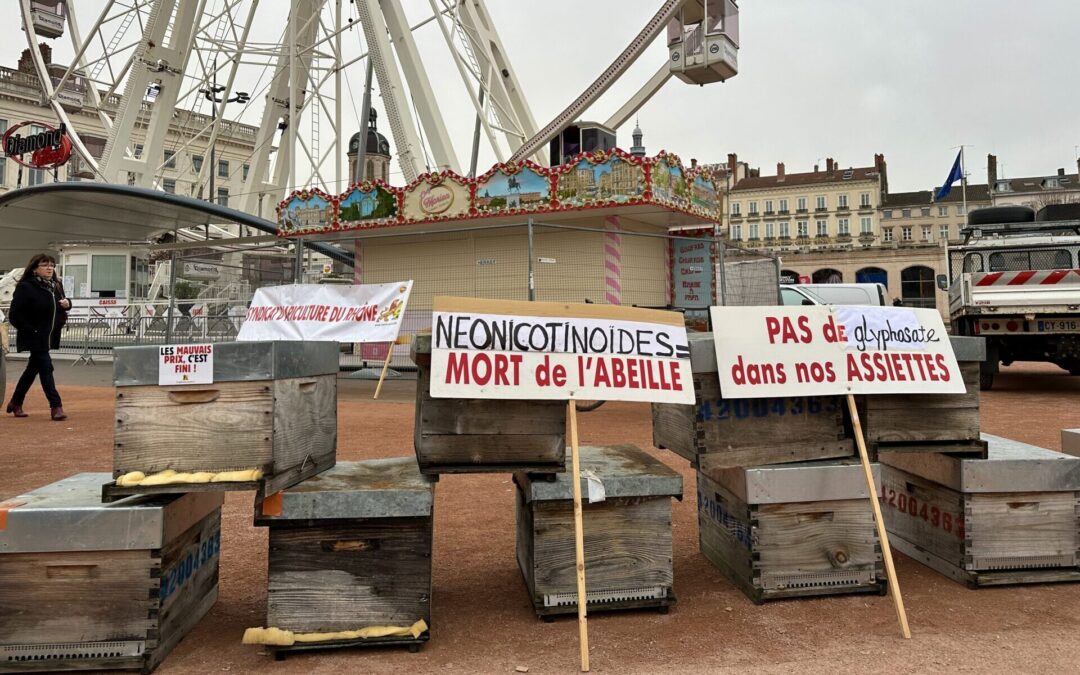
(703, 41)
(48, 17)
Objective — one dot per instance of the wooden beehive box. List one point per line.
(1070, 442)
(272, 406)
(627, 535)
(483, 435)
(1008, 519)
(924, 422)
(793, 530)
(746, 432)
(351, 548)
(90, 586)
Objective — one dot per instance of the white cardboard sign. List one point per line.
(359, 313)
(185, 364)
(764, 352)
(557, 351)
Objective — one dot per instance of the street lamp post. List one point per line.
(212, 94)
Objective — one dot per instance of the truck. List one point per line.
(1017, 284)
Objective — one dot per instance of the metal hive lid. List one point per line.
(236, 361)
(625, 470)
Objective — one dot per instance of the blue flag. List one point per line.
(955, 174)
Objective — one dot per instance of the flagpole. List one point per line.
(963, 181)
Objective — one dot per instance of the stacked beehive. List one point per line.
(782, 507)
(627, 520)
(111, 571)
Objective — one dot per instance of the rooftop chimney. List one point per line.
(779, 169)
(991, 171)
(815, 168)
(829, 166)
(1061, 172)
(733, 165)
(879, 165)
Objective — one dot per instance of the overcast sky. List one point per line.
(818, 78)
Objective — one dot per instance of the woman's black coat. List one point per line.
(36, 315)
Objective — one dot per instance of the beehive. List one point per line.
(92, 586)
(720, 432)
(272, 406)
(627, 535)
(483, 435)
(351, 548)
(793, 530)
(1010, 518)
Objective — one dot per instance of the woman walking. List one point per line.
(38, 312)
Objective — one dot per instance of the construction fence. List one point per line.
(205, 292)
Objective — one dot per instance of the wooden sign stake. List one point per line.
(385, 366)
(579, 540)
(886, 550)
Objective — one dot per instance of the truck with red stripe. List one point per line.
(1015, 280)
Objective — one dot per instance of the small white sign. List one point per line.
(185, 364)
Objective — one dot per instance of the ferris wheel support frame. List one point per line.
(164, 66)
(277, 109)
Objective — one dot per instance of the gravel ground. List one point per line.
(482, 621)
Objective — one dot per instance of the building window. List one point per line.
(800, 204)
(223, 196)
(246, 168)
(753, 230)
(802, 227)
(196, 162)
(822, 228)
(785, 230)
(926, 212)
(887, 234)
(886, 214)
(1002, 186)
(138, 150)
(130, 178)
(169, 186)
(170, 159)
(926, 232)
(821, 203)
(736, 232)
(752, 208)
(864, 199)
(960, 210)
(866, 225)
(768, 206)
(943, 210)
(223, 168)
(842, 226)
(906, 213)
(905, 233)
(917, 286)
(783, 206)
(943, 232)
(842, 201)
(735, 208)
(770, 230)
(37, 177)
(108, 276)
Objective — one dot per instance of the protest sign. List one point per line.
(792, 351)
(360, 313)
(548, 350)
(185, 364)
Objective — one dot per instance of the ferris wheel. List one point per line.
(191, 65)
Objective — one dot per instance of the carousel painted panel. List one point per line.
(513, 188)
(438, 196)
(601, 178)
(307, 210)
(668, 182)
(704, 194)
(368, 204)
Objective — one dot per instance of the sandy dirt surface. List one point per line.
(481, 618)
